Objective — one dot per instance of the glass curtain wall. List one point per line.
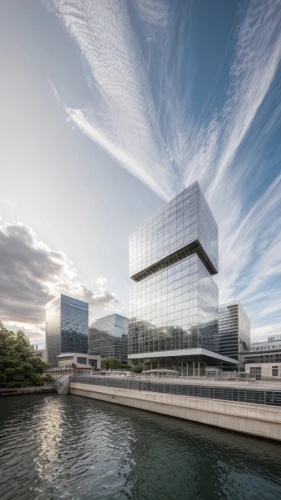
(108, 337)
(234, 330)
(74, 325)
(174, 303)
(53, 330)
(66, 327)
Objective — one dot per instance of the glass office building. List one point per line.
(108, 337)
(66, 327)
(174, 302)
(234, 330)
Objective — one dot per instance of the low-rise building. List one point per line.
(264, 358)
(267, 345)
(263, 370)
(78, 360)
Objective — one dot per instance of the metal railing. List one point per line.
(241, 395)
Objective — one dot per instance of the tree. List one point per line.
(18, 366)
(137, 368)
(114, 364)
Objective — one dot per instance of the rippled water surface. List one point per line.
(54, 447)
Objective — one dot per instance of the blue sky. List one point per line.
(109, 109)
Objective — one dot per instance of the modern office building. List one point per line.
(174, 302)
(108, 337)
(234, 331)
(66, 327)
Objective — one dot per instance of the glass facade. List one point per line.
(174, 302)
(108, 337)
(81, 361)
(66, 327)
(234, 330)
(53, 330)
(263, 357)
(174, 309)
(182, 227)
(74, 325)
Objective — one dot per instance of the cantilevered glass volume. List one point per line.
(174, 302)
(66, 327)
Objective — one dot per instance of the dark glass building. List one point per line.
(234, 331)
(66, 327)
(108, 337)
(174, 302)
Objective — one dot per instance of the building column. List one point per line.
(198, 368)
(193, 372)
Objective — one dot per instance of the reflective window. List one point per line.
(82, 361)
(234, 330)
(108, 337)
(66, 327)
(184, 220)
(275, 371)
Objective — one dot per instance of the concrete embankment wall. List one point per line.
(17, 391)
(258, 420)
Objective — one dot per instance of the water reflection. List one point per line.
(70, 447)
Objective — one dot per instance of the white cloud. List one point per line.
(101, 280)
(54, 91)
(263, 332)
(9, 203)
(122, 118)
(32, 273)
(35, 333)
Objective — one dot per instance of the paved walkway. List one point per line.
(240, 384)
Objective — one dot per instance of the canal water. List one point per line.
(65, 447)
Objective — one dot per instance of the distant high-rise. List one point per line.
(273, 338)
(234, 330)
(108, 337)
(174, 302)
(66, 327)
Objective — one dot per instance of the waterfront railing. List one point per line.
(259, 395)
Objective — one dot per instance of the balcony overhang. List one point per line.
(198, 351)
(194, 248)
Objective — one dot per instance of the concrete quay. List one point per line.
(254, 419)
(17, 391)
